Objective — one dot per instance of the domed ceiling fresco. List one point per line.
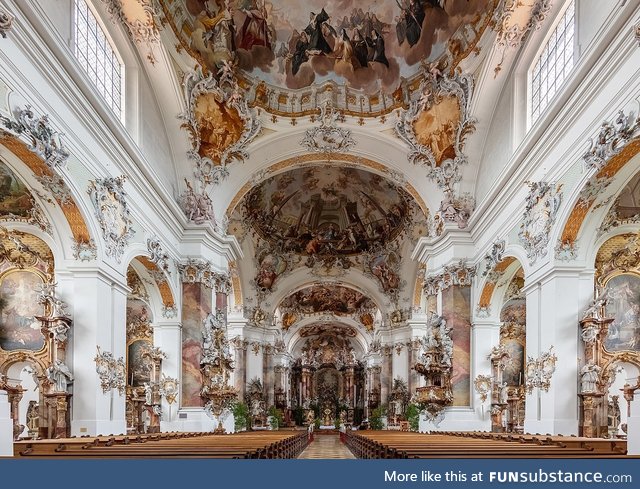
(323, 298)
(330, 220)
(324, 210)
(367, 45)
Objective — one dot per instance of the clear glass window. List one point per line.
(97, 57)
(553, 65)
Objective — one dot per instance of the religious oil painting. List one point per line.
(624, 306)
(512, 337)
(324, 298)
(271, 265)
(138, 370)
(196, 305)
(437, 128)
(220, 126)
(367, 45)
(456, 306)
(326, 210)
(19, 328)
(15, 199)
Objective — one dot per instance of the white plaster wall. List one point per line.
(254, 364)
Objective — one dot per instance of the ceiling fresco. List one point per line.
(367, 45)
(330, 220)
(332, 298)
(328, 210)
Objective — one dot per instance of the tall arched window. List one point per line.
(553, 64)
(97, 56)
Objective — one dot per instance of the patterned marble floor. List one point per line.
(326, 446)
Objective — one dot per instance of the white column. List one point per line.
(168, 337)
(633, 426)
(99, 319)
(554, 304)
(6, 427)
(484, 336)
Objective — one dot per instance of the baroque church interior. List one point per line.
(369, 226)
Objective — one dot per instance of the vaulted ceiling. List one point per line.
(329, 135)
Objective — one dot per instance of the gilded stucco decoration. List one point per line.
(6, 21)
(84, 250)
(435, 126)
(157, 255)
(611, 139)
(41, 150)
(541, 208)
(616, 144)
(219, 121)
(194, 270)
(459, 274)
(482, 385)
(492, 258)
(538, 371)
(515, 22)
(138, 17)
(328, 137)
(40, 137)
(111, 371)
(112, 211)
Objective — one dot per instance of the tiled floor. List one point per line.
(326, 446)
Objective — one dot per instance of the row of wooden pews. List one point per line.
(394, 444)
(263, 444)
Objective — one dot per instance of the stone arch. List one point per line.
(164, 293)
(69, 209)
(588, 202)
(495, 284)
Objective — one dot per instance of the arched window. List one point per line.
(553, 65)
(97, 56)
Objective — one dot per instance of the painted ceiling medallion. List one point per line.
(362, 45)
(323, 298)
(219, 121)
(541, 209)
(436, 125)
(324, 210)
(110, 205)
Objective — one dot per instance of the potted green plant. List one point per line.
(375, 420)
(275, 418)
(413, 416)
(241, 416)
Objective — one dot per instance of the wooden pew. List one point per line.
(394, 444)
(268, 444)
